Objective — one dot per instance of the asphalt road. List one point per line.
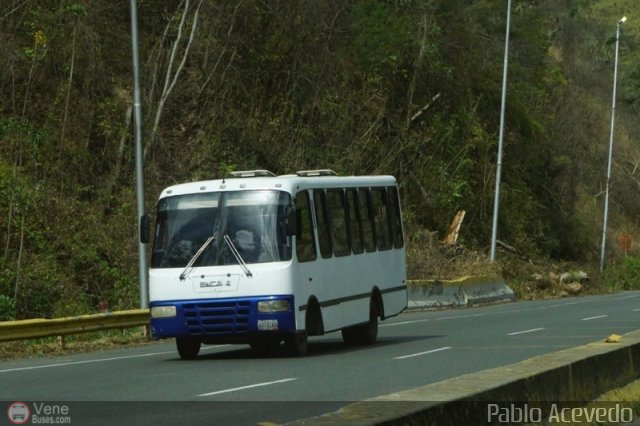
(230, 385)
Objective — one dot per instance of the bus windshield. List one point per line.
(254, 221)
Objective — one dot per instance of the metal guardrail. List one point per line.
(36, 328)
(420, 290)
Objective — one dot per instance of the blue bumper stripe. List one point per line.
(221, 318)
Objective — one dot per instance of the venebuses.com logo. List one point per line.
(18, 413)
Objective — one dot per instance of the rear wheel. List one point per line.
(188, 347)
(364, 334)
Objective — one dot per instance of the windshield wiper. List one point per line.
(237, 255)
(195, 257)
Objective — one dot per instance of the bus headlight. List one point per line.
(163, 312)
(273, 306)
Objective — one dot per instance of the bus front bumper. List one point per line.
(225, 319)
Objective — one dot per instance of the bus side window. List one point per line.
(394, 217)
(338, 222)
(366, 217)
(379, 202)
(305, 242)
(324, 233)
(355, 221)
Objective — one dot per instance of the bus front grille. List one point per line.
(217, 318)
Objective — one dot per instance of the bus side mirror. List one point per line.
(291, 221)
(145, 234)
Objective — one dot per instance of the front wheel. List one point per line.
(262, 346)
(296, 344)
(188, 347)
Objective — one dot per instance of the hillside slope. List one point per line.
(406, 87)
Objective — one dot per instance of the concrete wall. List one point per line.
(560, 379)
(429, 294)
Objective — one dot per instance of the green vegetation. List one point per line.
(404, 87)
(624, 274)
(7, 308)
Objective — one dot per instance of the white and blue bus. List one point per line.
(261, 259)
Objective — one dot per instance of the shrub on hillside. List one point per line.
(7, 308)
(624, 274)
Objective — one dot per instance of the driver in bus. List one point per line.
(188, 239)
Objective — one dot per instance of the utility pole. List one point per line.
(613, 122)
(496, 200)
(137, 114)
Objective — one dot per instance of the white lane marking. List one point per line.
(484, 314)
(257, 385)
(636, 310)
(506, 311)
(596, 317)
(423, 353)
(627, 297)
(91, 361)
(403, 323)
(565, 304)
(525, 331)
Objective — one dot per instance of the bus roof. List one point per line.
(289, 183)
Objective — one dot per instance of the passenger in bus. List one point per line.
(243, 229)
(247, 246)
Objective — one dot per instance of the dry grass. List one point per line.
(614, 401)
(629, 393)
(88, 342)
(430, 258)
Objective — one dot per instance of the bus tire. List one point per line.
(265, 346)
(313, 319)
(364, 334)
(188, 347)
(296, 343)
(369, 333)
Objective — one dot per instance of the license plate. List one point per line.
(270, 324)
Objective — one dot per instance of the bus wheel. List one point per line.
(363, 334)
(369, 333)
(188, 347)
(296, 343)
(265, 346)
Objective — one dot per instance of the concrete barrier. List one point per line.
(561, 379)
(429, 294)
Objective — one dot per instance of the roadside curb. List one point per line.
(565, 377)
(467, 291)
